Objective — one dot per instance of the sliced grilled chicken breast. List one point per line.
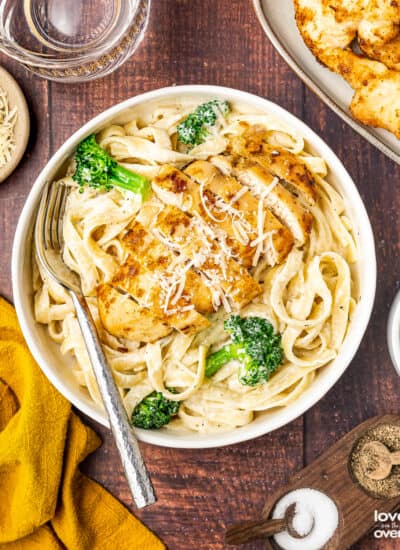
(146, 288)
(122, 317)
(193, 238)
(157, 281)
(292, 171)
(177, 189)
(264, 185)
(157, 259)
(234, 195)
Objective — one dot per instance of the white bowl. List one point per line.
(56, 367)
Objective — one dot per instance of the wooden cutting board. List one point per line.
(330, 473)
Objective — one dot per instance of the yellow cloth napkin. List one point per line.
(45, 501)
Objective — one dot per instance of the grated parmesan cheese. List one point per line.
(8, 119)
(238, 195)
(204, 201)
(157, 233)
(240, 232)
(176, 199)
(263, 238)
(225, 303)
(172, 284)
(260, 230)
(269, 188)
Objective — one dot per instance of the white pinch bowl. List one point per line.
(57, 367)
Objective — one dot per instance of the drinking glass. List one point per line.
(72, 40)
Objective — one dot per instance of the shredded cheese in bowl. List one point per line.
(8, 118)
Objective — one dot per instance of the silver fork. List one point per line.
(48, 236)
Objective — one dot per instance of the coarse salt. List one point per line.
(303, 520)
(316, 519)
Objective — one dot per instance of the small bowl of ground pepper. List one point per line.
(364, 461)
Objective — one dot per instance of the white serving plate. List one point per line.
(277, 18)
(57, 367)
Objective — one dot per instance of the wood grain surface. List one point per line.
(208, 42)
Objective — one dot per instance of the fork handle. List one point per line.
(132, 461)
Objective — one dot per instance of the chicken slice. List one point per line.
(122, 317)
(147, 289)
(177, 189)
(157, 282)
(281, 163)
(263, 185)
(233, 195)
(194, 239)
(157, 261)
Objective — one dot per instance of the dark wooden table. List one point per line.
(209, 42)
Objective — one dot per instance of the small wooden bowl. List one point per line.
(22, 126)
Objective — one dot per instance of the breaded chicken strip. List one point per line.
(326, 24)
(329, 28)
(330, 24)
(376, 101)
(378, 32)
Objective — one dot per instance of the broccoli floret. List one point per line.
(196, 127)
(95, 167)
(154, 411)
(254, 344)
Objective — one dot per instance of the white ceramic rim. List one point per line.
(309, 82)
(363, 310)
(393, 333)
